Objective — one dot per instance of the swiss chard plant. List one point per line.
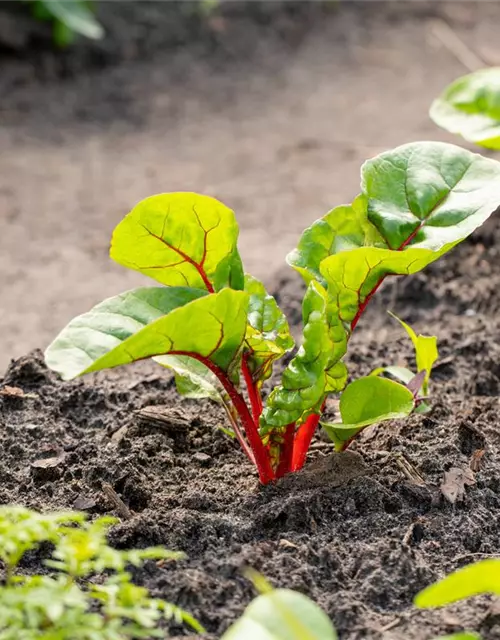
(470, 106)
(221, 333)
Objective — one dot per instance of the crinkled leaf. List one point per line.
(192, 378)
(368, 401)
(342, 229)
(314, 370)
(76, 16)
(282, 614)
(429, 195)
(212, 326)
(426, 352)
(268, 335)
(479, 578)
(470, 106)
(181, 239)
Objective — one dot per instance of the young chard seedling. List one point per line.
(219, 330)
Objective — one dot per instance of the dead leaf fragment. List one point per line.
(47, 463)
(12, 392)
(476, 460)
(455, 481)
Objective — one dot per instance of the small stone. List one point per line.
(48, 469)
(203, 458)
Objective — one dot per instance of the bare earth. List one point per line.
(279, 138)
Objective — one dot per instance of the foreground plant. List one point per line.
(217, 328)
(479, 578)
(70, 603)
(470, 106)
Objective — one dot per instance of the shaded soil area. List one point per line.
(359, 532)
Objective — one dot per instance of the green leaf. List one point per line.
(368, 401)
(402, 374)
(192, 378)
(282, 615)
(113, 333)
(429, 195)
(268, 335)
(426, 352)
(76, 16)
(313, 371)
(470, 106)
(475, 579)
(342, 229)
(181, 239)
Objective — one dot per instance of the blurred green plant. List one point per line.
(90, 596)
(470, 106)
(69, 19)
(479, 578)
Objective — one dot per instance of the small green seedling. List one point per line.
(68, 603)
(470, 106)
(219, 329)
(480, 578)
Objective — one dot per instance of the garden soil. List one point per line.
(359, 532)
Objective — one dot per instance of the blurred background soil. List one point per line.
(269, 106)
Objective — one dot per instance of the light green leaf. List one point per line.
(369, 401)
(76, 16)
(181, 239)
(429, 195)
(192, 378)
(482, 577)
(402, 374)
(113, 333)
(342, 229)
(268, 335)
(470, 106)
(313, 371)
(282, 614)
(426, 352)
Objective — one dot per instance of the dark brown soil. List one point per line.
(353, 531)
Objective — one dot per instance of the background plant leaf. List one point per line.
(282, 614)
(470, 106)
(110, 335)
(479, 578)
(268, 335)
(192, 378)
(368, 401)
(181, 239)
(76, 16)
